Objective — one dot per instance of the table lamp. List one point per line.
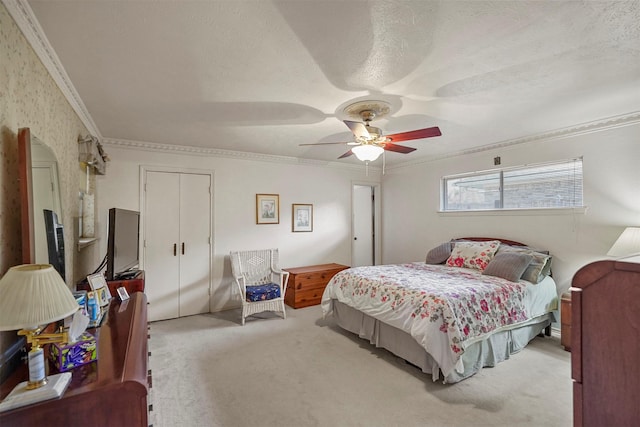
(31, 297)
(627, 245)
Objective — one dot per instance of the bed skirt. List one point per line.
(486, 353)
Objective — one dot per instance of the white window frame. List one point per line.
(500, 209)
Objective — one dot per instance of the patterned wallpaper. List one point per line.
(30, 98)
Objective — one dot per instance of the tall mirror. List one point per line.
(40, 191)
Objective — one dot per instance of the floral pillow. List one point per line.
(473, 254)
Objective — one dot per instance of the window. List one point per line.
(546, 186)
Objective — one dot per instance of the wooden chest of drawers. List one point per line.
(306, 284)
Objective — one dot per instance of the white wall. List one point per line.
(412, 224)
(236, 182)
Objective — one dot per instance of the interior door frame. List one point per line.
(377, 219)
(170, 169)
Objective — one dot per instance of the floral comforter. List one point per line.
(443, 308)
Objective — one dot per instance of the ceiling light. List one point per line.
(368, 152)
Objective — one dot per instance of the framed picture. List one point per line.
(96, 281)
(99, 285)
(103, 299)
(123, 294)
(302, 217)
(267, 209)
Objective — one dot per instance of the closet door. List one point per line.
(195, 241)
(162, 235)
(177, 243)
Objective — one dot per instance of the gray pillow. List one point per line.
(439, 254)
(508, 265)
(534, 272)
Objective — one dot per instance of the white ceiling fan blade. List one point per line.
(358, 129)
(326, 143)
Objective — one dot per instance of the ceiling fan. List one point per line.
(370, 142)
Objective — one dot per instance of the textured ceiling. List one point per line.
(265, 76)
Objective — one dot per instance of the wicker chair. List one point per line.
(261, 283)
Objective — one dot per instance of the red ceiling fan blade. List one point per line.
(398, 148)
(347, 154)
(415, 134)
(358, 129)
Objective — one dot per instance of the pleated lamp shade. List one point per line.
(627, 244)
(33, 295)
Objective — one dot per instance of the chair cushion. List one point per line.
(263, 292)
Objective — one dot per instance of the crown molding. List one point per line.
(229, 154)
(27, 22)
(580, 129)
(568, 132)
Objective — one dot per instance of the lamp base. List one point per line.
(20, 396)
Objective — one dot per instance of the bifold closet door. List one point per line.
(177, 247)
(195, 241)
(162, 235)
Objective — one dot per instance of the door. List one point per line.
(195, 222)
(161, 237)
(363, 249)
(177, 243)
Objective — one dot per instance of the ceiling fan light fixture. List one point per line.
(367, 153)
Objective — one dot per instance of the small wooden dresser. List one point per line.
(306, 284)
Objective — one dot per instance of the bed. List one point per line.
(471, 305)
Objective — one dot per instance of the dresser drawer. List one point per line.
(313, 280)
(308, 297)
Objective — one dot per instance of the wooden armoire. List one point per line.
(605, 344)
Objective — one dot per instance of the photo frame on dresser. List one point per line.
(98, 284)
(122, 293)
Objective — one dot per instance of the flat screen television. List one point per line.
(55, 241)
(122, 245)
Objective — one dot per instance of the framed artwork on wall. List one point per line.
(302, 217)
(267, 209)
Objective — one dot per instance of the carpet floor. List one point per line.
(208, 370)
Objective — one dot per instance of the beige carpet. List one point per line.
(305, 371)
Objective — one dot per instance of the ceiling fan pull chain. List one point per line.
(384, 161)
